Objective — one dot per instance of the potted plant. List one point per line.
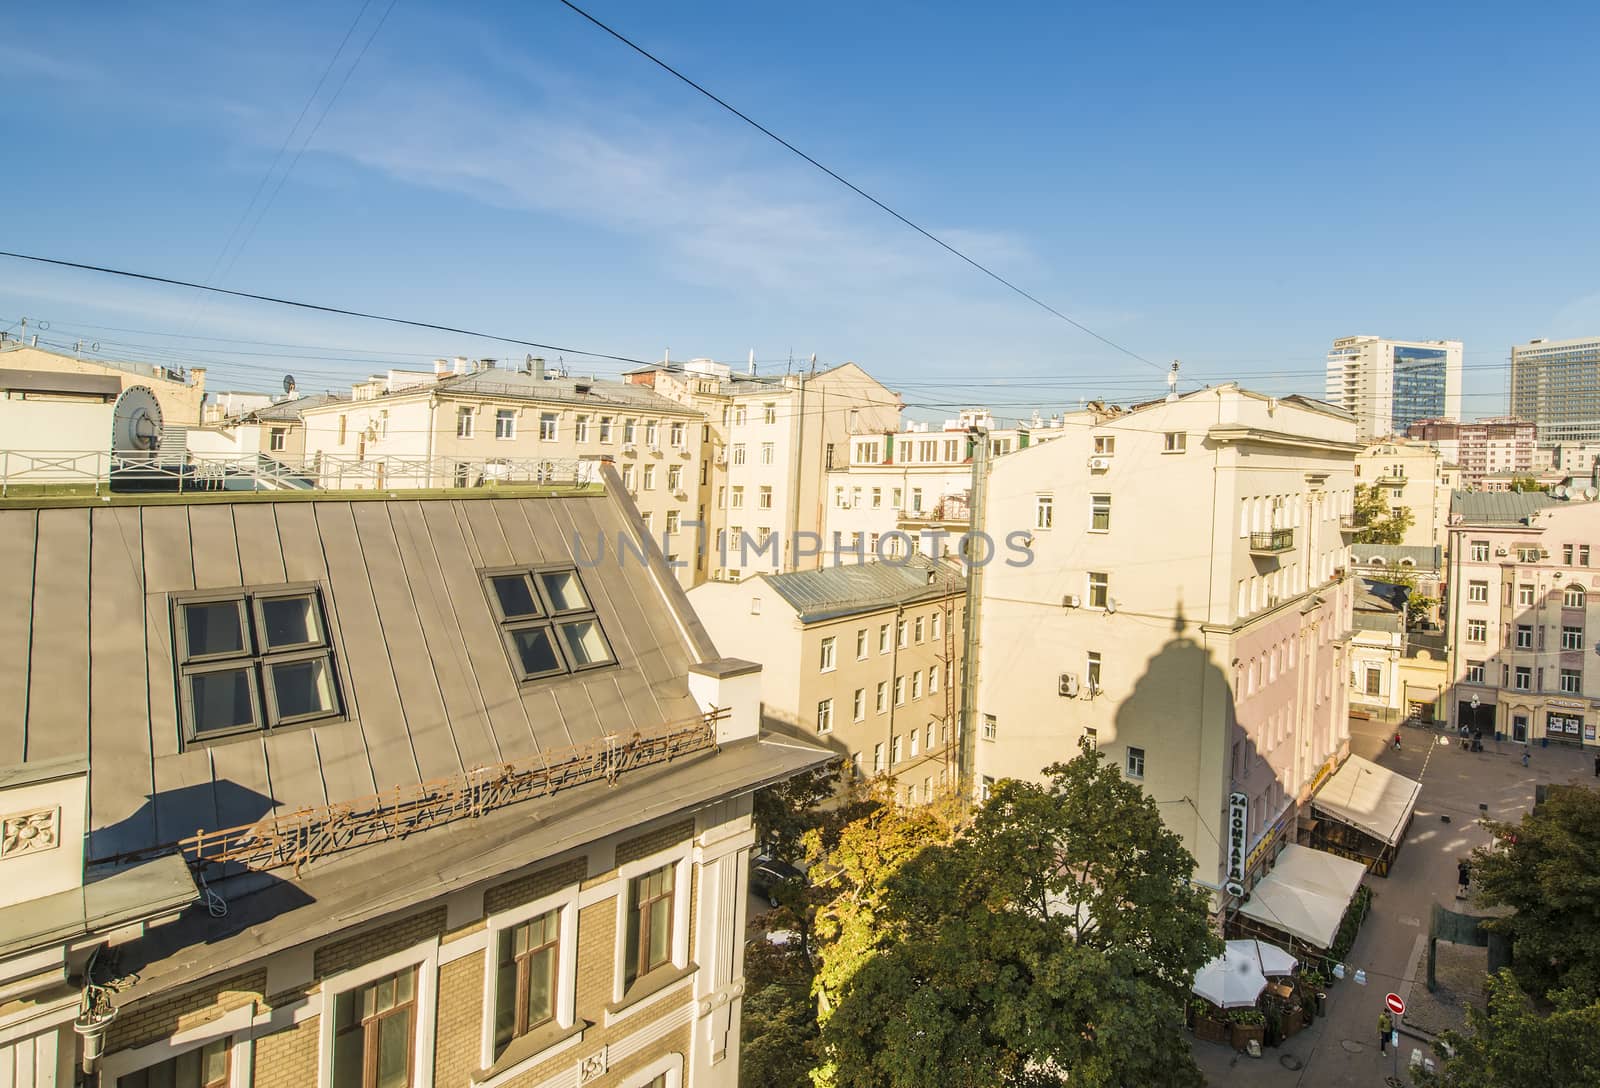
(1207, 1021)
(1245, 1025)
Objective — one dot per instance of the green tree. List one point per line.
(1051, 941)
(1526, 483)
(785, 812)
(778, 1026)
(1547, 870)
(1377, 522)
(1509, 1044)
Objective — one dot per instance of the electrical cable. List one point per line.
(934, 238)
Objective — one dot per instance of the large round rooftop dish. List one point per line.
(136, 422)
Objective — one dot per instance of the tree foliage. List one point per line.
(1051, 940)
(1526, 483)
(1379, 523)
(778, 1026)
(1547, 869)
(1510, 1044)
(786, 811)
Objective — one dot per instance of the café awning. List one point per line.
(1306, 894)
(1369, 797)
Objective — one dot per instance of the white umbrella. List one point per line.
(1273, 960)
(1233, 980)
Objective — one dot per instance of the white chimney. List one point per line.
(460, 364)
(441, 367)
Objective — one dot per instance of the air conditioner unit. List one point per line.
(680, 494)
(1067, 685)
(1544, 553)
(629, 447)
(1500, 551)
(655, 448)
(1071, 600)
(1099, 464)
(722, 457)
(683, 451)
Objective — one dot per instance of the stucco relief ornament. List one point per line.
(29, 832)
(592, 1067)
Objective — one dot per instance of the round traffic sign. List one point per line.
(1396, 1006)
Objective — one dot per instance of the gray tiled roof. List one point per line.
(1394, 555)
(1497, 507)
(865, 587)
(600, 392)
(291, 408)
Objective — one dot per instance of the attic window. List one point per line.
(253, 660)
(547, 622)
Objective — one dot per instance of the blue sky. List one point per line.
(1233, 186)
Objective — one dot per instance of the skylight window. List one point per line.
(253, 660)
(547, 622)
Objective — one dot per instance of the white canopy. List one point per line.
(1369, 797)
(1236, 978)
(1305, 894)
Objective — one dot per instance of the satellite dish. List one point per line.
(1590, 493)
(1111, 606)
(136, 421)
(288, 384)
(1559, 491)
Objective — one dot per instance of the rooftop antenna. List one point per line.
(813, 364)
(752, 360)
(1172, 382)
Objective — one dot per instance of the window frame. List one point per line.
(424, 958)
(678, 856)
(550, 618)
(565, 900)
(1128, 758)
(234, 1025)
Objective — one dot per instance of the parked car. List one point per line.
(767, 874)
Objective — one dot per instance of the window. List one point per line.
(916, 684)
(1091, 736)
(740, 416)
(1100, 513)
(580, 429)
(527, 977)
(1374, 680)
(649, 477)
(1099, 589)
(674, 477)
(277, 439)
(676, 433)
(505, 423)
(767, 450)
(1474, 672)
(896, 750)
(1583, 555)
(1478, 592)
(650, 917)
(1571, 638)
(883, 696)
(547, 622)
(900, 691)
(877, 497)
(1092, 672)
(883, 639)
(933, 679)
(248, 661)
(991, 727)
(861, 644)
(1524, 636)
(1135, 763)
(1572, 681)
(207, 1066)
(652, 433)
(1524, 678)
(605, 429)
(1572, 597)
(674, 520)
(938, 625)
(916, 738)
(1477, 631)
(917, 629)
(343, 422)
(629, 429)
(374, 1031)
(764, 497)
(1175, 442)
(738, 453)
(877, 758)
(1044, 511)
(736, 499)
(1105, 445)
(985, 787)
(1480, 551)
(1566, 554)
(769, 412)
(825, 716)
(900, 632)
(549, 426)
(828, 654)
(858, 705)
(464, 420)
(627, 477)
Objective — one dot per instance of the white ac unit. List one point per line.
(629, 447)
(1067, 685)
(1099, 464)
(722, 457)
(655, 448)
(1071, 600)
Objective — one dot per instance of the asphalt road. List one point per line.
(1341, 1048)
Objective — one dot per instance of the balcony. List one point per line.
(1352, 523)
(1272, 542)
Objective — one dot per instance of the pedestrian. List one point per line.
(1397, 741)
(1463, 875)
(1525, 760)
(1385, 1026)
(1597, 766)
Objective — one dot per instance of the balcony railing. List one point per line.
(1352, 523)
(33, 471)
(1272, 542)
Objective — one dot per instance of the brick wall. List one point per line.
(654, 841)
(460, 1022)
(528, 888)
(378, 942)
(288, 1058)
(145, 1022)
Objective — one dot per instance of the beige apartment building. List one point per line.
(480, 424)
(769, 444)
(368, 790)
(1482, 448)
(864, 659)
(1169, 584)
(181, 393)
(1414, 475)
(1524, 578)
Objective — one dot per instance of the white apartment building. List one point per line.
(1186, 610)
(1415, 476)
(1524, 578)
(908, 491)
(768, 444)
(1482, 448)
(1390, 384)
(487, 424)
(1555, 385)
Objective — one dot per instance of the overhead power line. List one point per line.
(853, 187)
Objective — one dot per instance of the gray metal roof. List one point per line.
(290, 408)
(864, 587)
(1394, 555)
(104, 386)
(1496, 507)
(87, 665)
(601, 393)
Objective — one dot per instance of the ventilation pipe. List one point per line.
(536, 368)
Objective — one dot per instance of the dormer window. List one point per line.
(547, 622)
(253, 660)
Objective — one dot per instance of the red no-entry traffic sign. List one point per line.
(1396, 1006)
